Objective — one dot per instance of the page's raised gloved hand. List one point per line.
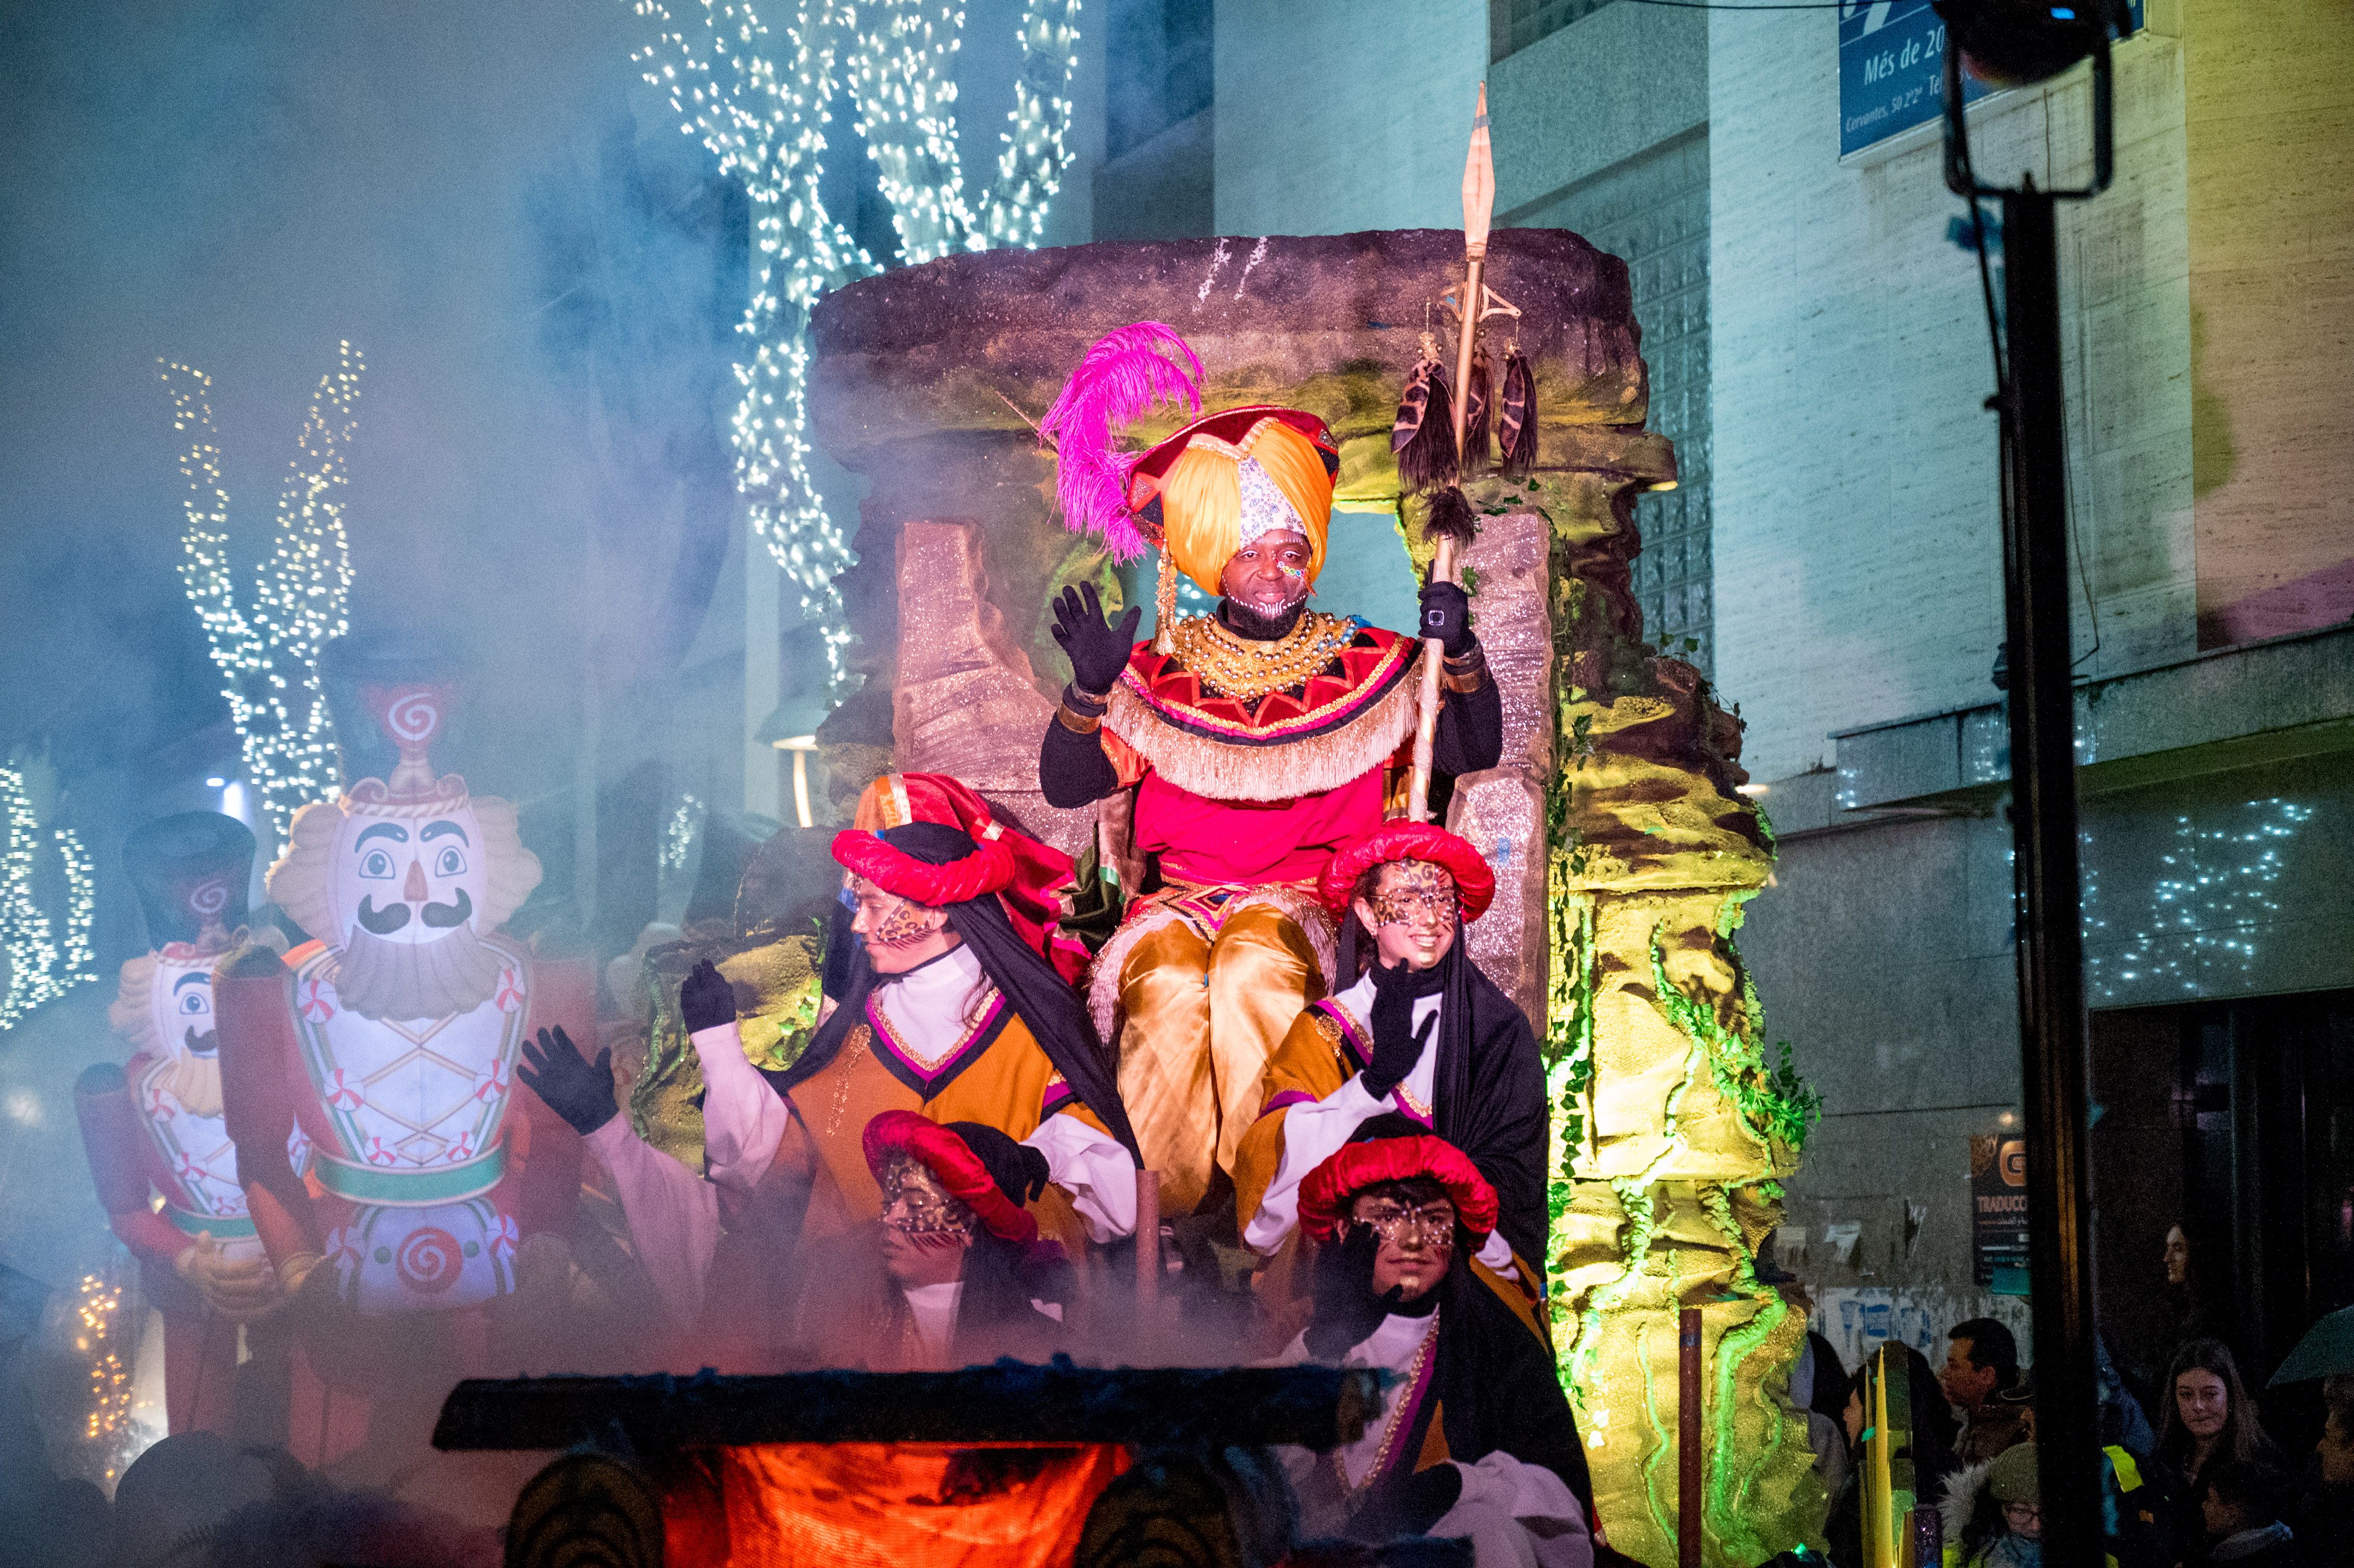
(705, 999)
(1396, 1046)
(1098, 649)
(1016, 1168)
(1346, 1309)
(579, 1092)
(1447, 615)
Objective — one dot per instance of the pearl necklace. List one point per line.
(1242, 668)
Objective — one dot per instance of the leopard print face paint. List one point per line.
(1415, 894)
(901, 925)
(918, 1207)
(890, 920)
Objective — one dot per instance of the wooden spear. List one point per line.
(1478, 207)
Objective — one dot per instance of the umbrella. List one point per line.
(2327, 1350)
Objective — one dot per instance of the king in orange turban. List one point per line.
(1256, 740)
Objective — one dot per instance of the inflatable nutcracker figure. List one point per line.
(391, 1041)
(153, 1126)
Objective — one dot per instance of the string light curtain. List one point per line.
(267, 649)
(760, 99)
(40, 959)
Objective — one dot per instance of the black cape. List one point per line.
(1497, 1388)
(1040, 997)
(1488, 1090)
(1494, 1387)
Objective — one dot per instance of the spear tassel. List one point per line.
(1478, 208)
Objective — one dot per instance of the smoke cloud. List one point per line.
(543, 275)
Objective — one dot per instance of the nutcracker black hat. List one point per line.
(191, 872)
(368, 673)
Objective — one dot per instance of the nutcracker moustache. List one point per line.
(154, 1124)
(391, 1041)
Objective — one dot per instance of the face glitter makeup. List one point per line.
(1431, 1225)
(915, 1204)
(890, 920)
(1416, 893)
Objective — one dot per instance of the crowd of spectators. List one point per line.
(2191, 1479)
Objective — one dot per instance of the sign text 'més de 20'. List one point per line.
(1891, 58)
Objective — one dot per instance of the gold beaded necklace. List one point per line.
(1396, 1419)
(1240, 667)
(859, 1035)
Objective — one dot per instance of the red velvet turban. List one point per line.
(1030, 876)
(1324, 1196)
(1475, 885)
(953, 1162)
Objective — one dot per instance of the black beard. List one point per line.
(1243, 621)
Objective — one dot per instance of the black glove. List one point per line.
(1396, 1046)
(574, 1089)
(1019, 1170)
(1097, 650)
(1346, 1309)
(1409, 1506)
(1447, 615)
(705, 999)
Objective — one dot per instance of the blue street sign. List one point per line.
(1892, 57)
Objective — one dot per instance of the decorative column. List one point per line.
(1673, 1126)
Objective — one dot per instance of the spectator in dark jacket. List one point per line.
(2209, 1420)
(2323, 1512)
(1981, 1363)
(1931, 1451)
(1821, 1386)
(2240, 1505)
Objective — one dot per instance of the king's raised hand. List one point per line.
(1097, 647)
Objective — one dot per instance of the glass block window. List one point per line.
(1652, 212)
(1159, 64)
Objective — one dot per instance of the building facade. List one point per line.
(1819, 347)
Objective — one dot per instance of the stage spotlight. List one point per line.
(2013, 43)
(216, 782)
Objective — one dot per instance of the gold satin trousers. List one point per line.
(1206, 1010)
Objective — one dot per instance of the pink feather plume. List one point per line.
(1124, 377)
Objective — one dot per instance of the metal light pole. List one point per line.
(2054, 1059)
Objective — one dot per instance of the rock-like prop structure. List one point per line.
(966, 701)
(1673, 1132)
(1623, 851)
